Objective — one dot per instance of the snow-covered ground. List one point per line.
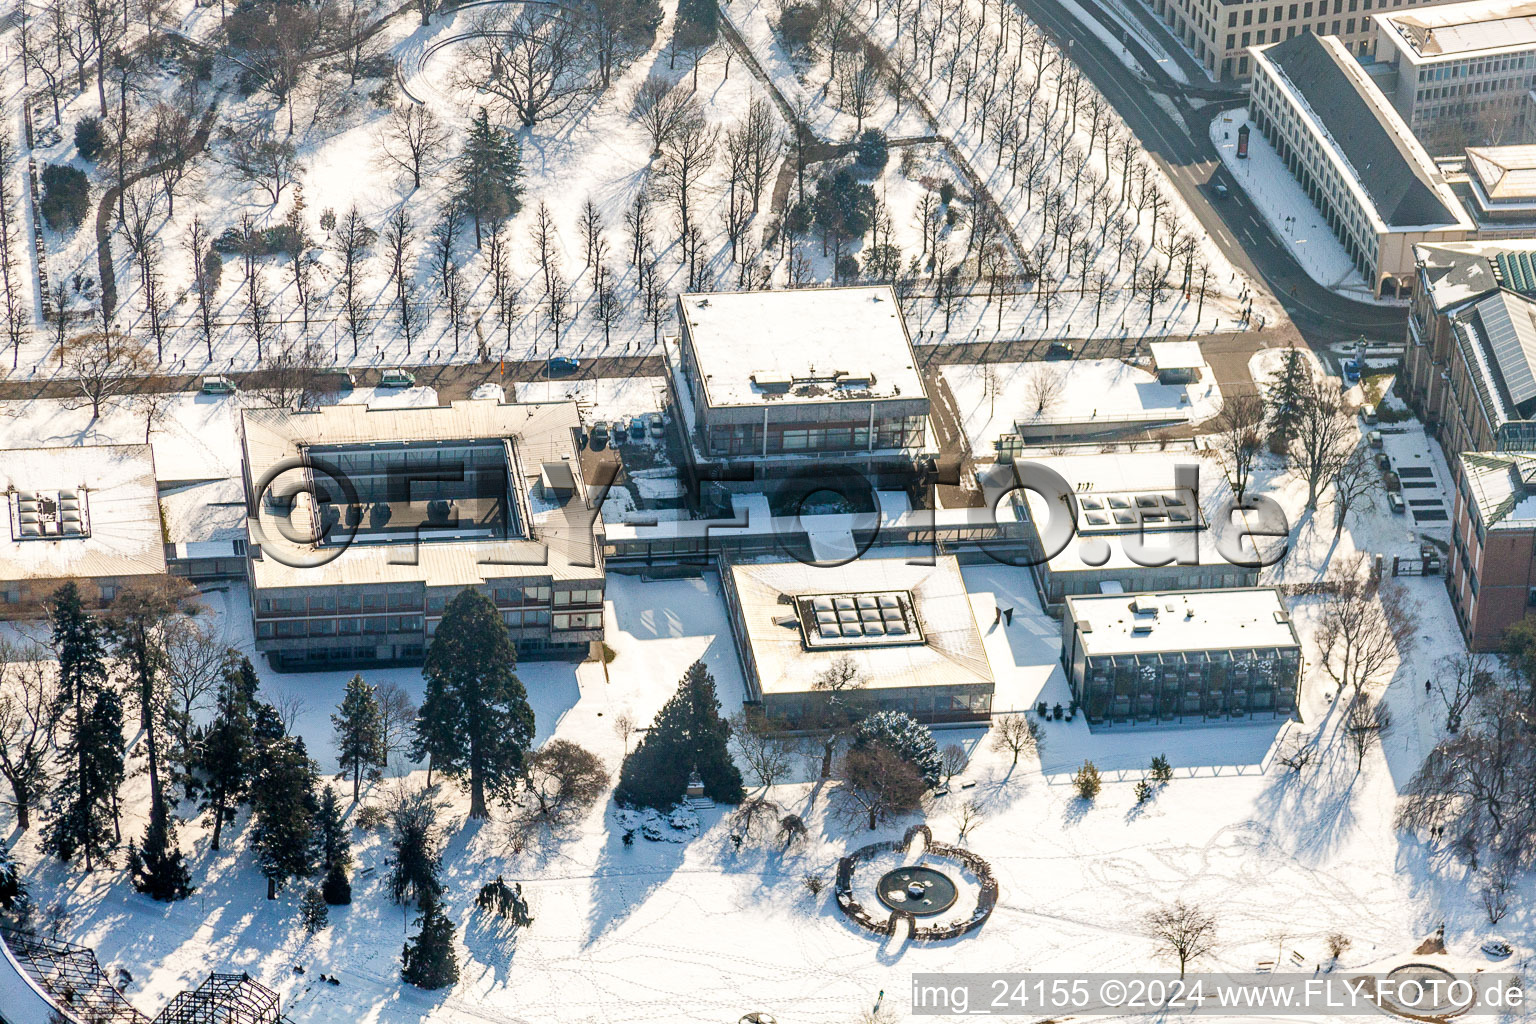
(601, 399)
(993, 397)
(1285, 207)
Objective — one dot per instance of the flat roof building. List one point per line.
(1181, 656)
(1126, 507)
(908, 629)
(365, 523)
(1356, 158)
(87, 513)
(1464, 71)
(774, 383)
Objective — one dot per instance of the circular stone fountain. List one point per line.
(919, 890)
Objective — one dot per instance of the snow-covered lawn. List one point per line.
(993, 397)
(700, 932)
(1285, 207)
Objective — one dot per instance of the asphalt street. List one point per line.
(1176, 134)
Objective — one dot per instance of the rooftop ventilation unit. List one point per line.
(773, 382)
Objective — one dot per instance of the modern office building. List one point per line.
(1470, 359)
(1462, 73)
(366, 522)
(1181, 656)
(1491, 571)
(1220, 32)
(1138, 524)
(778, 383)
(1379, 191)
(87, 514)
(907, 629)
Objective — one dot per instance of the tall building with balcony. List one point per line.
(364, 523)
(775, 384)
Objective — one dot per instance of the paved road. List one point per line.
(1181, 144)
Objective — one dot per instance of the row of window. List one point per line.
(373, 625)
(366, 603)
(1305, 11)
(747, 438)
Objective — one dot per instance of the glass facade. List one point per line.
(1188, 685)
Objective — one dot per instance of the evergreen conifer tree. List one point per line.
(490, 171)
(225, 754)
(158, 870)
(335, 850)
(1287, 392)
(83, 815)
(13, 891)
(429, 960)
(688, 735)
(475, 721)
(416, 857)
(283, 808)
(359, 734)
(313, 911)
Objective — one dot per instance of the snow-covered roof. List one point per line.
(1375, 153)
(565, 529)
(1462, 30)
(1504, 172)
(211, 511)
(799, 346)
(945, 649)
(1193, 620)
(1503, 485)
(114, 487)
(1177, 355)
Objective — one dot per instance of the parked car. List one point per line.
(345, 379)
(597, 440)
(1395, 502)
(559, 366)
(218, 385)
(397, 379)
(637, 429)
(1368, 413)
(618, 432)
(657, 429)
(1374, 437)
(1351, 372)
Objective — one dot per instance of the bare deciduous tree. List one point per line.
(1365, 721)
(1323, 437)
(398, 713)
(413, 139)
(1044, 387)
(103, 365)
(351, 243)
(879, 784)
(264, 161)
(1461, 679)
(765, 754)
(1354, 486)
(1015, 734)
(28, 717)
(1184, 933)
(839, 684)
(1364, 627)
(534, 59)
(659, 107)
(1239, 436)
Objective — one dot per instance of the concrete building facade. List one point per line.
(1220, 32)
(366, 522)
(778, 383)
(1462, 72)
